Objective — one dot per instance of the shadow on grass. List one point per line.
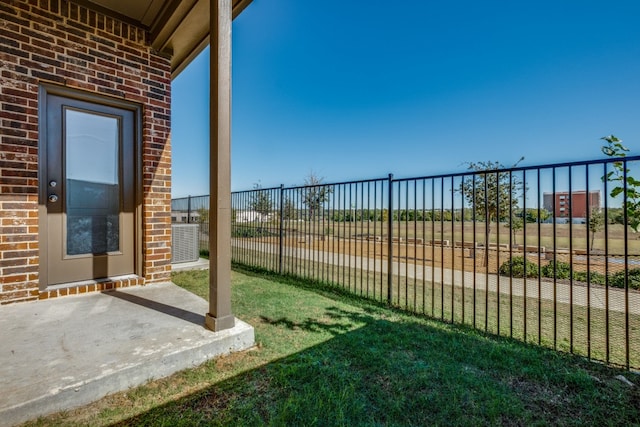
(312, 325)
(406, 372)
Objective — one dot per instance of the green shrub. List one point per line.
(519, 267)
(594, 278)
(617, 280)
(250, 231)
(562, 270)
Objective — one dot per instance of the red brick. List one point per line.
(12, 279)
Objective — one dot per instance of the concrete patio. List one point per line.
(66, 352)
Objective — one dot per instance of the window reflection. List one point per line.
(92, 182)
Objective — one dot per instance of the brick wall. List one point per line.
(576, 202)
(60, 42)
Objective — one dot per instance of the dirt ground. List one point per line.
(450, 257)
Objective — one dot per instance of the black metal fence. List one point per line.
(193, 210)
(544, 254)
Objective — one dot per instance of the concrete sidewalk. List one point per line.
(66, 352)
(595, 296)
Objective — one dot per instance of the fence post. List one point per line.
(189, 209)
(390, 242)
(280, 240)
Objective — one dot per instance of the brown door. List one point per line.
(90, 190)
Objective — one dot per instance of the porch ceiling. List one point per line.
(177, 27)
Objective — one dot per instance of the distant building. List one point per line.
(572, 205)
(183, 217)
(252, 216)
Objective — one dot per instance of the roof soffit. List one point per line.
(177, 27)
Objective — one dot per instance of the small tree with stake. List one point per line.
(596, 223)
(516, 224)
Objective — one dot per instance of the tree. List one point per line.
(596, 223)
(261, 201)
(288, 209)
(491, 193)
(620, 174)
(531, 215)
(615, 215)
(516, 224)
(545, 215)
(203, 220)
(314, 194)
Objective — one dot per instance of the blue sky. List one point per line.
(359, 89)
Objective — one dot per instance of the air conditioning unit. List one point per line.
(184, 243)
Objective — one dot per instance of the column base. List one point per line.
(217, 324)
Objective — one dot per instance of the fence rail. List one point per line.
(543, 254)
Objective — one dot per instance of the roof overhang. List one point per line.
(179, 28)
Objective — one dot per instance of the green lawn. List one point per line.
(326, 358)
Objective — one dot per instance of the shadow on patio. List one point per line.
(63, 353)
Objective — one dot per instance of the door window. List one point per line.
(92, 182)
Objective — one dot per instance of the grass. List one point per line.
(574, 329)
(328, 358)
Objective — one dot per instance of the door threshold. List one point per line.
(94, 285)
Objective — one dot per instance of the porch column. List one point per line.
(219, 316)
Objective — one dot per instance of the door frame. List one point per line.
(44, 91)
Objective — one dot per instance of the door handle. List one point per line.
(53, 198)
